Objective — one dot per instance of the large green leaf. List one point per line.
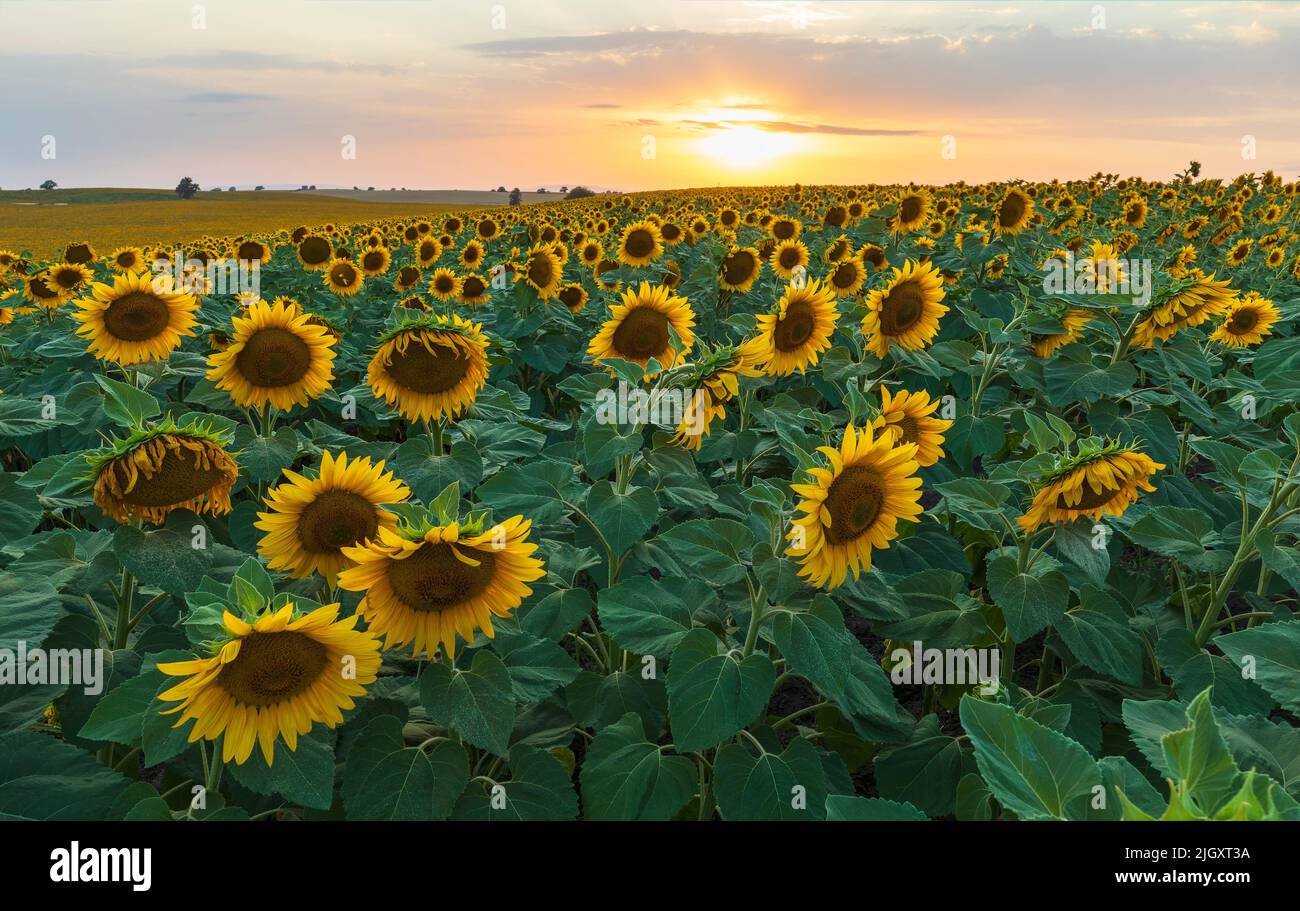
(790, 785)
(650, 616)
(624, 776)
(1273, 651)
(539, 789)
(713, 693)
(1029, 600)
(385, 779)
(478, 703)
(623, 518)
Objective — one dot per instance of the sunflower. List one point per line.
(472, 255)
(793, 337)
(376, 261)
(314, 252)
(1014, 212)
(1099, 479)
(788, 258)
(277, 357)
(640, 329)
(163, 468)
(853, 506)
(715, 378)
(907, 416)
(81, 254)
(253, 251)
(1072, 324)
(740, 269)
(68, 278)
(425, 585)
(906, 312)
(311, 520)
(1240, 252)
(543, 271)
(912, 212)
(127, 259)
(590, 254)
(273, 677)
(430, 368)
(1193, 300)
(848, 277)
(473, 290)
(444, 285)
(138, 319)
(573, 296)
(641, 244)
(343, 277)
(1247, 322)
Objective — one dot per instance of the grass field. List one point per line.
(459, 198)
(39, 221)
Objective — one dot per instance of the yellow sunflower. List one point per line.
(543, 272)
(1247, 322)
(641, 244)
(314, 252)
(163, 468)
(136, 319)
(1097, 480)
(343, 277)
(1014, 212)
(573, 296)
(443, 284)
(473, 290)
(848, 276)
(793, 337)
(277, 357)
(431, 368)
(907, 416)
(853, 506)
(912, 212)
(716, 379)
(127, 259)
(906, 312)
(311, 520)
(640, 329)
(1193, 301)
(1072, 324)
(788, 258)
(425, 586)
(273, 678)
(68, 278)
(740, 269)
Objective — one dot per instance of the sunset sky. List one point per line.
(639, 95)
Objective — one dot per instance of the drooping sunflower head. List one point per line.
(1188, 301)
(714, 377)
(641, 244)
(853, 506)
(1247, 321)
(1072, 324)
(740, 269)
(641, 328)
(793, 337)
(907, 416)
(430, 368)
(425, 584)
(1014, 212)
(311, 520)
(81, 254)
(273, 677)
(277, 357)
(161, 468)
(906, 312)
(1100, 478)
(343, 277)
(138, 318)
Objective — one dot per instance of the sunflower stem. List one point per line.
(435, 433)
(125, 597)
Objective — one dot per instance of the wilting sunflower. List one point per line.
(638, 329)
(716, 379)
(163, 468)
(136, 319)
(907, 416)
(641, 244)
(853, 506)
(275, 677)
(1014, 212)
(740, 269)
(278, 357)
(1099, 479)
(573, 296)
(793, 337)
(311, 520)
(1072, 324)
(430, 368)
(1190, 302)
(425, 585)
(343, 277)
(906, 312)
(789, 257)
(444, 285)
(543, 272)
(1247, 322)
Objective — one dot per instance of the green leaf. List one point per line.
(119, 716)
(623, 518)
(164, 558)
(385, 779)
(786, 786)
(537, 667)
(1030, 600)
(713, 693)
(649, 617)
(924, 771)
(1273, 650)
(1187, 535)
(816, 644)
(539, 789)
(1199, 758)
(126, 405)
(478, 704)
(555, 615)
(537, 490)
(427, 474)
(1073, 377)
(303, 776)
(843, 808)
(1098, 634)
(626, 777)
(30, 609)
(1193, 669)
(262, 459)
(44, 778)
(597, 701)
(1031, 769)
(711, 549)
(22, 509)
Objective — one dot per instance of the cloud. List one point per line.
(1255, 33)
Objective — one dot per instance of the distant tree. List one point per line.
(371, 189)
(312, 187)
(259, 187)
(232, 189)
(579, 192)
(48, 185)
(541, 189)
(516, 197)
(303, 187)
(501, 189)
(215, 190)
(186, 188)
(564, 189)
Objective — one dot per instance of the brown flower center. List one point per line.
(137, 316)
(911, 208)
(792, 331)
(902, 308)
(179, 478)
(335, 519)
(1091, 499)
(639, 243)
(642, 334)
(434, 579)
(421, 369)
(855, 500)
(314, 250)
(1011, 210)
(274, 357)
(343, 275)
(273, 667)
(738, 267)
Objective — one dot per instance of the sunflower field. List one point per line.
(834, 503)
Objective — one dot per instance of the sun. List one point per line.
(745, 146)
